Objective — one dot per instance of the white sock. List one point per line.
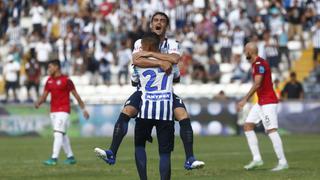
(253, 145)
(57, 143)
(67, 146)
(277, 146)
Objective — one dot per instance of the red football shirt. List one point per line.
(265, 92)
(60, 88)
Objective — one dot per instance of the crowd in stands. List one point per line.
(95, 37)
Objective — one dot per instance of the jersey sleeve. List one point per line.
(176, 71)
(135, 76)
(137, 46)
(174, 48)
(46, 87)
(70, 85)
(259, 69)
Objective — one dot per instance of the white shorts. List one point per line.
(60, 121)
(267, 113)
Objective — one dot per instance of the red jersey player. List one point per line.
(60, 87)
(265, 110)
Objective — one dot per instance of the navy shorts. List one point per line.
(165, 133)
(135, 101)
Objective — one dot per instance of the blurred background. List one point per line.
(94, 39)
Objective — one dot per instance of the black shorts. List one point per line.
(31, 84)
(135, 101)
(11, 85)
(165, 133)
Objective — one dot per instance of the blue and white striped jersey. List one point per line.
(156, 86)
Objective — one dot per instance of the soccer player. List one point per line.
(265, 110)
(60, 86)
(170, 54)
(156, 110)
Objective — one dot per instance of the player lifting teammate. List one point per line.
(169, 55)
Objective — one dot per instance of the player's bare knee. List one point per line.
(180, 114)
(248, 127)
(130, 111)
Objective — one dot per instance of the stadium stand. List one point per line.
(78, 32)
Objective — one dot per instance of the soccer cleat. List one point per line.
(71, 160)
(253, 165)
(280, 167)
(192, 163)
(50, 162)
(106, 155)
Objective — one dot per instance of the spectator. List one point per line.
(295, 21)
(275, 22)
(199, 73)
(214, 72)
(200, 51)
(14, 33)
(180, 15)
(4, 19)
(105, 65)
(124, 58)
(316, 42)
(238, 40)
(283, 46)
(221, 96)
(37, 13)
(238, 73)
(78, 63)
(259, 27)
(292, 89)
(184, 66)
(225, 35)
(271, 51)
(10, 73)
(43, 49)
(33, 74)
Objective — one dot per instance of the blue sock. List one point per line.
(186, 134)
(120, 130)
(141, 162)
(165, 166)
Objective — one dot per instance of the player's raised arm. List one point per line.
(42, 99)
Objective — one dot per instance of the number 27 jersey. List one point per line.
(156, 88)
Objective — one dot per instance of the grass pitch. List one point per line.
(21, 158)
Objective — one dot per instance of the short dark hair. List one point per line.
(55, 62)
(162, 14)
(152, 39)
(293, 74)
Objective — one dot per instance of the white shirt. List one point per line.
(124, 56)
(37, 13)
(43, 50)
(10, 71)
(315, 37)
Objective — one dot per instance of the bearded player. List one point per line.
(265, 110)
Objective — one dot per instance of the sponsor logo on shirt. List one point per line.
(158, 96)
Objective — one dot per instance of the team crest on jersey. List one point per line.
(261, 69)
(59, 82)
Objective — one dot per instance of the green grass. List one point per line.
(21, 158)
